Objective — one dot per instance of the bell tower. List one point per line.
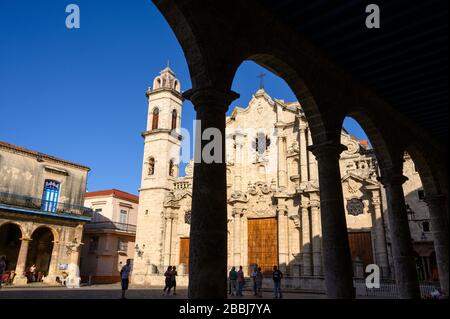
(162, 142)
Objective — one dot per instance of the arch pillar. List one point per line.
(439, 228)
(20, 278)
(53, 268)
(208, 232)
(402, 249)
(338, 269)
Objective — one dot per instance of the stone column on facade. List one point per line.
(208, 231)
(20, 278)
(283, 239)
(316, 235)
(312, 162)
(53, 268)
(337, 262)
(168, 241)
(380, 236)
(306, 240)
(237, 214)
(303, 152)
(439, 228)
(402, 249)
(282, 170)
(239, 140)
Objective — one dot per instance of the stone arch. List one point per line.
(376, 137)
(23, 231)
(40, 251)
(10, 243)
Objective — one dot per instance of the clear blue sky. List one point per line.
(79, 94)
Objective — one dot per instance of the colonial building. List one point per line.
(41, 214)
(109, 238)
(273, 192)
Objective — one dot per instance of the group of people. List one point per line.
(170, 280)
(237, 281)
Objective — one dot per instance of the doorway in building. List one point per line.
(361, 247)
(263, 243)
(184, 253)
(39, 254)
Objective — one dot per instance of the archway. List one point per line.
(10, 235)
(40, 253)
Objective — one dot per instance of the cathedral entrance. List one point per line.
(361, 246)
(263, 243)
(184, 253)
(10, 235)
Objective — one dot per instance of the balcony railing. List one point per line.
(39, 204)
(109, 225)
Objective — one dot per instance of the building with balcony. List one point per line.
(41, 215)
(110, 237)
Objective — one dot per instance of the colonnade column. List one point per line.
(283, 236)
(303, 152)
(402, 249)
(20, 278)
(168, 241)
(439, 228)
(337, 260)
(239, 140)
(380, 236)
(314, 203)
(208, 231)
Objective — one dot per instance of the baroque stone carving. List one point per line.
(355, 206)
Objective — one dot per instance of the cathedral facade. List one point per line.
(272, 191)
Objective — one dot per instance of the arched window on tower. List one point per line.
(151, 166)
(155, 118)
(174, 119)
(171, 168)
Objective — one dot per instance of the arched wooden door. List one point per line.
(263, 243)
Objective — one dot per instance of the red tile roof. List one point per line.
(115, 193)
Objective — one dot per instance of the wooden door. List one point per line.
(361, 246)
(184, 253)
(263, 243)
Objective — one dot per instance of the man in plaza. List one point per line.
(2, 268)
(124, 275)
(233, 281)
(277, 275)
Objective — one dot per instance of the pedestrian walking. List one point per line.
(168, 281)
(277, 275)
(233, 281)
(254, 273)
(240, 281)
(2, 268)
(173, 279)
(125, 275)
(259, 280)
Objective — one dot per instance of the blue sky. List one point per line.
(79, 94)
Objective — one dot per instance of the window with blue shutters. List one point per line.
(50, 197)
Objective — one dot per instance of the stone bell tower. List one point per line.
(162, 141)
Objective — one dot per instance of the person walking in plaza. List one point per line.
(254, 273)
(125, 275)
(233, 281)
(173, 279)
(258, 281)
(240, 281)
(2, 268)
(277, 275)
(168, 281)
(33, 273)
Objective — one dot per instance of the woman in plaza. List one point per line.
(168, 281)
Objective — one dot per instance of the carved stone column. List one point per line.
(306, 240)
(282, 172)
(237, 223)
(303, 152)
(313, 174)
(168, 240)
(20, 278)
(380, 241)
(439, 228)
(402, 250)
(239, 140)
(208, 232)
(337, 262)
(283, 236)
(314, 203)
